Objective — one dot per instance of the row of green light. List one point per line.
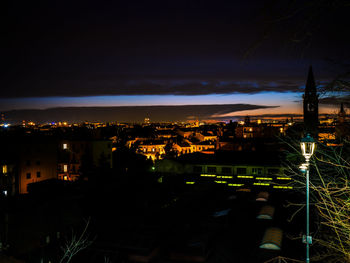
(190, 182)
(245, 177)
(220, 182)
(224, 176)
(282, 187)
(264, 184)
(263, 178)
(208, 175)
(284, 178)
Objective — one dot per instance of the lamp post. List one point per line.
(307, 145)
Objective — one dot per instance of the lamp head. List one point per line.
(307, 145)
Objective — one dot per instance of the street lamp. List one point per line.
(307, 145)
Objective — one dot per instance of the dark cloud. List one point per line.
(128, 114)
(103, 87)
(87, 48)
(336, 100)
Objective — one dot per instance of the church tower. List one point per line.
(341, 114)
(310, 100)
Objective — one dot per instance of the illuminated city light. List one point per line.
(263, 178)
(245, 176)
(221, 182)
(244, 190)
(282, 187)
(4, 169)
(284, 178)
(264, 184)
(190, 182)
(208, 175)
(226, 176)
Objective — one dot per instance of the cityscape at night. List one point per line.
(175, 132)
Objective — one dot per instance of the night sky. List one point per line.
(137, 53)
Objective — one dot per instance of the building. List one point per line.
(43, 158)
(153, 149)
(233, 169)
(37, 162)
(74, 154)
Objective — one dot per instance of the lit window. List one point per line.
(4, 169)
(65, 146)
(65, 168)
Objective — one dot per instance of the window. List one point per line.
(4, 169)
(65, 146)
(257, 171)
(65, 168)
(28, 175)
(241, 170)
(38, 174)
(197, 169)
(226, 170)
(211, 169)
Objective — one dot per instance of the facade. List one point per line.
(46, 159)
(8, 185)
(231, 170)
(152, 149)
(205, 137)
(74, 154)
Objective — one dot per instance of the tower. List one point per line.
(310, 101)
(341, 114)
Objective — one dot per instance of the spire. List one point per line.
(310, 86)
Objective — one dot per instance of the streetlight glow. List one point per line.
(307, 146)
